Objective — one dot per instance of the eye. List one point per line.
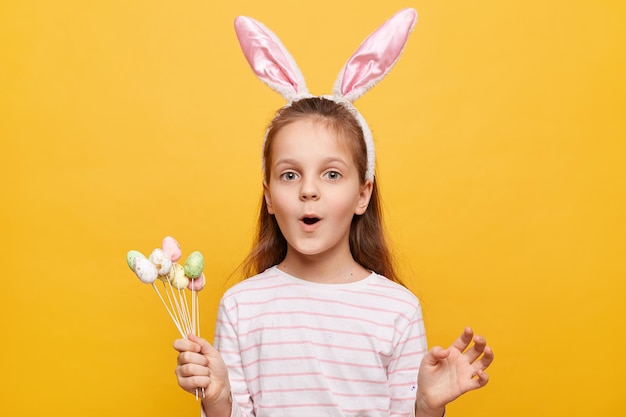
(332, 175)
(288, 176)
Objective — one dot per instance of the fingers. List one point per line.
(199, 365)
(192, 370)
(487, 358)
(195, 344)
(472, 346)
(480, 356)
(188, 370)
(476, 349)
(481, 378)
(205, 347)
(184, 358)
(192, 376)
(191, 358)
(435, 355)
(186, 345)
(464, 340)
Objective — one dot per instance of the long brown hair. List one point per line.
(368, 243)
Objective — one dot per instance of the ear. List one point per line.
(268, 198)
(364, 197)
(269, 59)
(375, 57)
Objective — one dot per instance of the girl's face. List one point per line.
(314, 189)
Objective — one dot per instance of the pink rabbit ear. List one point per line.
(375, 57)
(269, 59)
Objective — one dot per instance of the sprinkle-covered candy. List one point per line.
(172, 248)
(130, 258)
(197, 284)
(194, 265)
(145, 270)
(177, 277)
(161, 260)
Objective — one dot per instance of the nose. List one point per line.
(309, 191)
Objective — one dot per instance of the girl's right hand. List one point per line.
(199, 367)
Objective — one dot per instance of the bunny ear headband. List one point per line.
(371, 62)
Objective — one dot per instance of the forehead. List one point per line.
(310, 137)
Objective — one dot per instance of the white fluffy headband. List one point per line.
(371, 62)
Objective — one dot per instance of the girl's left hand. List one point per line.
(446, 374)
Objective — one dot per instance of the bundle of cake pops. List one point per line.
(175, 281)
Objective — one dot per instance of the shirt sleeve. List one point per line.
(404, 366)
(227, 344)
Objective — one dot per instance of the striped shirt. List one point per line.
(299, 348)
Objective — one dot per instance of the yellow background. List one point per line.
(500, 138)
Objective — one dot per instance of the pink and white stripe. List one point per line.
(299, 348)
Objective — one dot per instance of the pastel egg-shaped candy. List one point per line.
(172, 248)
(130, 258)
(145, 270)
(177, 277)
(168, 277)
(161, 260)
(197, 284)
(194, 265)
(177, 269)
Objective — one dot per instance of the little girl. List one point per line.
(325, 327)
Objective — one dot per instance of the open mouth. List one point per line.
(310, 220)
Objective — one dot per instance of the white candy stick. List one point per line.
(197, 310)
(193, 309)
(181, 310)
(182, 297)
(190, 315)
(171, 304)
(197, 315)
(168, 310)
(193, 319)
(169, 290)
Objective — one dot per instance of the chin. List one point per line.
(311, 251)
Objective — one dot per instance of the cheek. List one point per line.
(345, 203)
(278, 203)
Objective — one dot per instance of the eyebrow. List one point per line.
(329, 160)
